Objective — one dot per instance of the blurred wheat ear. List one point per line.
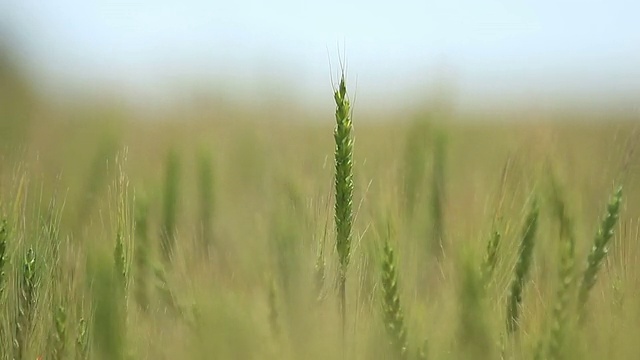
(473, 334)
(207, 200)
(141, 254)
(491, 257)
(560, 320)
(26, 303)
(393, 315)
(525, 255)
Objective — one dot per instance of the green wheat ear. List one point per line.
(473, 336)
(599, 249)
(491, 257)
(522, 268)
(393, 315)
(124, 228)
(565, 275)
(26, 303)
(82, 340)
(109, 319)
(120, 261)
(343, 175)
(60, 336)
(343, 188)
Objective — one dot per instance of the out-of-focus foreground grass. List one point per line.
(207, 232)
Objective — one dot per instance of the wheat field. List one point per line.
(223, 232)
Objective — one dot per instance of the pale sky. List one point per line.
(489, 49)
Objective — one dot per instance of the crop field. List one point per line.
(214, 231)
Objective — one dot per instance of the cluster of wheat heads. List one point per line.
(474, 338)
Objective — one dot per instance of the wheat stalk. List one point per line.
(172, 184)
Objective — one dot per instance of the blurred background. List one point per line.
(194, 141)
(251, 84)
(490, 55)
